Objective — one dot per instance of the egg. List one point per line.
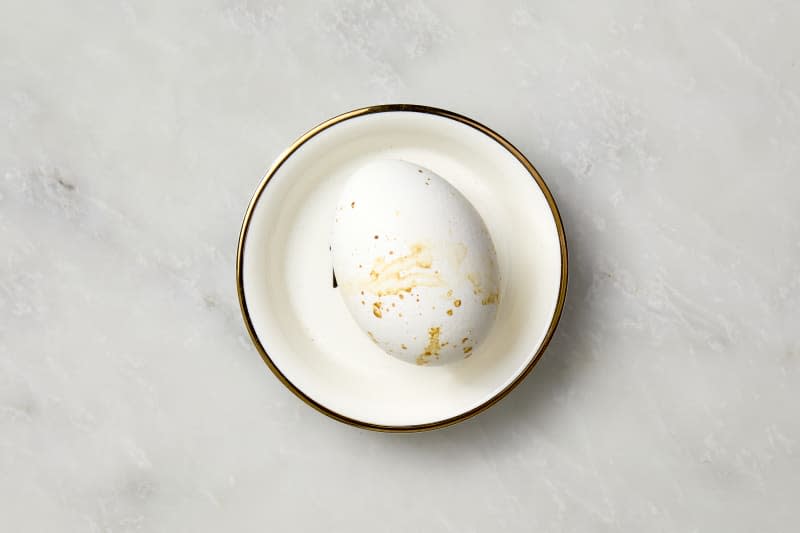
(414, 262)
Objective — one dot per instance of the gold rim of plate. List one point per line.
(411, 108)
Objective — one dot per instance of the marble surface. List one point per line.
(132, 135)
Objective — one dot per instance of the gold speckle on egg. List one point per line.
(352, 204)
(457, 303)
(375, 237)
(450, 293)
(465, 339)
(400, 295)
(403, 346)
(376, 309)
(450, 312)
(467, 351)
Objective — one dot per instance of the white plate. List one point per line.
(298, 321)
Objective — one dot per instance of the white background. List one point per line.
(132, 135)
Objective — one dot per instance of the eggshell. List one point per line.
(414, 263)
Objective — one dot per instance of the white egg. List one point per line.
(414, 263)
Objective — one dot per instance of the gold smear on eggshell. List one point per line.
(475, 279)
(459, 253)
(493, 298)
(376, 309)
(403, 274)
(432, 348)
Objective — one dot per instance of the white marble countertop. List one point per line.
(132, 135)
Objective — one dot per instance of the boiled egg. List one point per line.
(414, 263)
